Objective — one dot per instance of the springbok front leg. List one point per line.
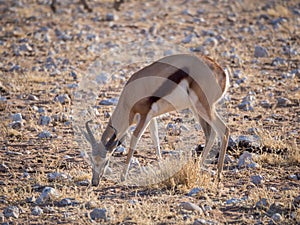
(136, 135)
(154, 136)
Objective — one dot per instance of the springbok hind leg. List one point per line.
(217, 127)
(210, 136)
(224, 132)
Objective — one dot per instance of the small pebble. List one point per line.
(245, 159)
(112, 101)
(257, 179)
(4, 168)
(65, 202)
(187, 39)
(44, 134)
(190, 206)
(99, 213)
(32, 97)
(17, 117)
(44, 120)
(111, 17)
(276, 218)
(262, 204)
(48, 193)
(195, 191)
(260, 52)
(57, 176)
(11, 211)
(293, 177)
(283, 102)
(36, 211)
(63, 99)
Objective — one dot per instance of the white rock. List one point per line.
(11, 211)
(276, 217)
(48, 193)
(57, 176)
(245, 159)
(17, 117)
(36, 211)
(190, 207)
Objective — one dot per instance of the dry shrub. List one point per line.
(290, 152)
(174, 173)
(187, 177)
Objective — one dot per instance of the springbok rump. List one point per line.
(172, 83)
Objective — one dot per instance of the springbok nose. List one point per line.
(95, 179)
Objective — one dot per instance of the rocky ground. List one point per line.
(44, 57)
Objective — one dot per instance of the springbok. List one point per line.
(172, 83)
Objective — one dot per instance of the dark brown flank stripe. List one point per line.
(171, 73)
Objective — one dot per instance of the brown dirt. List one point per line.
(278, 126)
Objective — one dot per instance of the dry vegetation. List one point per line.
(39, 51)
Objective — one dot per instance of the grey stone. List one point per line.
(48, 193)
(246, 106)
(262, 204)
(195, 191)
(111, 17)
(36, 211)
(84, 183)
(190, 206)
(187, 39)
(32, 97)
(293, 177)
(232, 201)
(204, 222)
(212, 41)
(102, 78)
(279, 61)
(111, 101)
(265, 104)
(57, 176)
(99, 214)
(63, 99)
(4, 168)
(17, 117)
(276, 218)
(11, 211)
(44, 120)
(257, 179)
(65, 202)
(245, 159)
(260, 52)
(44, 134)
(296, 201)
(283, 102)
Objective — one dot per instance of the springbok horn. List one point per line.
(90, 137)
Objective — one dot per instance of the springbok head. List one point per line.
(99, 157)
